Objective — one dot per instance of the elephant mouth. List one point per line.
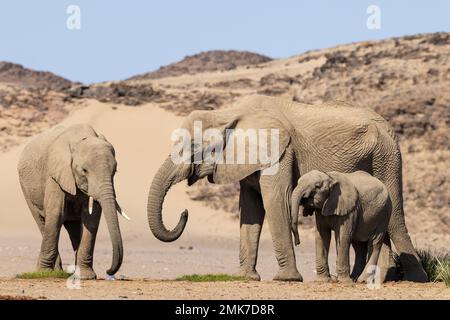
(83, 190)
(308, 202)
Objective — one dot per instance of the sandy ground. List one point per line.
(210, 243)
(180, 290)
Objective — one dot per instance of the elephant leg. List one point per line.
(40, 222)
(343, 241)
(386, 262)
(85, 252)
(370, 270)
(251, 221)
(53, 206)
(276, 197)
(410, 262)
(360, 258)
(323, 239)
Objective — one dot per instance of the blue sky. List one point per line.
(119, 39)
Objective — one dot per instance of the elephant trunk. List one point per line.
(297, 196)
(107, 201)
(166, 176)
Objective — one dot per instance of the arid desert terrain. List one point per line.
(407, 80)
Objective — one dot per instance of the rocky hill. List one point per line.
(16, 74)
(406, 80)
(30, 101)
(216, 60)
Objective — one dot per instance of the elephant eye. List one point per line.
(84, 170)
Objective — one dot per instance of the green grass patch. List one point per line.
(60, 274)
(210, 277)
(436, 265)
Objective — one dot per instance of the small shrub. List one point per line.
(436, 265)
(44, 274)
(209, 277)
(443, 271)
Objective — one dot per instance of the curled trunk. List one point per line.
(166, 176)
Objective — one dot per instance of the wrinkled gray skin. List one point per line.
(356, 206)
(332, 137)
(58, 171)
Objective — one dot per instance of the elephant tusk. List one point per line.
(120, 211)
(91, 204)
(124, 215)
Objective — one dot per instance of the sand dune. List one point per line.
(141, 137)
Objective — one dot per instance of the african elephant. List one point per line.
(66, 175)
(356, 206)
(329, 137)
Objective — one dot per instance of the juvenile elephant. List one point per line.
(329, 137)
(66, 175)
(356, 206)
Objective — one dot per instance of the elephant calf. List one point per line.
(66, 175)
(356, 206)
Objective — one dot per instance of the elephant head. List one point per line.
(171, 173)
(82, 162)
(331, 192)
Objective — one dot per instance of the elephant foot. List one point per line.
(344, 279)
(87, 274)
(362, 278)
(412, 268)
(415, 276)
(249, 274)
(288, 275)
(323, 278)
(47, 264)
(44, 266)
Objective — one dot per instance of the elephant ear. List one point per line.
(343, 197)
(232, 171)
(60, 164)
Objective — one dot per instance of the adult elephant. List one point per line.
(330, 137)
(66, 175)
